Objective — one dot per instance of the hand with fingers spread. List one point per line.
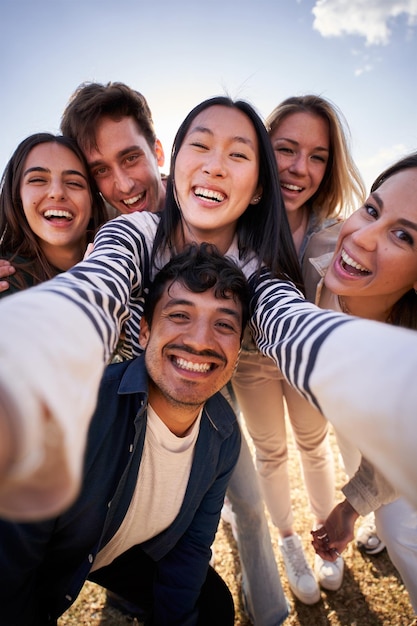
(331, 539)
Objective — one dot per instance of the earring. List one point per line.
(256, 199)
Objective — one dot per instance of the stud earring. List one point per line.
(256, 199)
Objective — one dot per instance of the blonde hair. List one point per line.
(342, 189)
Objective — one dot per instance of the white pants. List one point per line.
(396, 525)
(261, 392)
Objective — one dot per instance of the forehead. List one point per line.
(116, 135)
(226, 122)
(303, 126)
(177, 293)
(400, 191)
(53, 156)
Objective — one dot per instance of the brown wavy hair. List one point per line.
(16, 237)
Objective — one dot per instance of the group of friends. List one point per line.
(250, 277)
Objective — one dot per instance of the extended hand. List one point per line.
(332, 538)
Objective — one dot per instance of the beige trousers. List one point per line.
(262, 394)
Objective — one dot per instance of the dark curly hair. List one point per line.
(200, 268)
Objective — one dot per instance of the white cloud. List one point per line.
(367, 18)
(364, 69)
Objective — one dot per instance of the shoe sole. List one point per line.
(330, 586)
(306, 599)
(371, 551)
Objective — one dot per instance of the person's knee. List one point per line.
(216, 602)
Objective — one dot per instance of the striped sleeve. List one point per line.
(109, 287)
(359, 373)
(56, 340)
(290, 330)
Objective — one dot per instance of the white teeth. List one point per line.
(58, 213)
(209, 194)
(133, 200)
(349, 261)
(291, 187)
(193, 367)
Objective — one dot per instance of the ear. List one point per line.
(144, 333)
(160, 155)
(257, 195)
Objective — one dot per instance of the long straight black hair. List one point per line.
(263, 228)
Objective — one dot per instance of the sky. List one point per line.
(360, 54)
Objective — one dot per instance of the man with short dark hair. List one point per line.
(113, 126)
(161, 448)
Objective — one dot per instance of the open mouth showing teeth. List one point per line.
(66, 215)
(208, 194)
(133, 200)
(350, 266)
(193, 367)
(291, 187)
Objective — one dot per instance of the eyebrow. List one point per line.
(401, 220)
(48, 171)
(377, 199)
(184, 302)
(409, 224)
(297, 143)
(208, 131)
(119, 154)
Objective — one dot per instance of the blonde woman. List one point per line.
(319, 184)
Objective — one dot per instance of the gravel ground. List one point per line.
(372, 593)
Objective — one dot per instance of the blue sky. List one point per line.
(361, 54)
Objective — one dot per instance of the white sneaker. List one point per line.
(300, 575)
(329, 573)
(367, 538)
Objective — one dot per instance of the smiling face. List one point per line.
(57, 202)
(375, 262)
(191, 351)
(216, 174)
(301, 145)
(125, 167)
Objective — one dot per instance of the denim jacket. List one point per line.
(44, 565)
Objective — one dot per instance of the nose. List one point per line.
(367, 236)
(214, 164)
(122, 181)
(200, 336)
(299, 164)
(56, 189)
